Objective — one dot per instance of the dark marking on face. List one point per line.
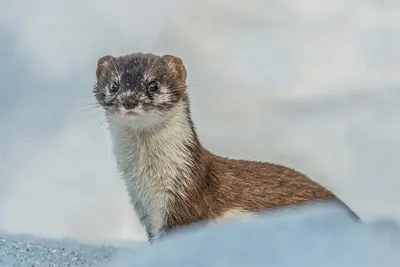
(147, 80)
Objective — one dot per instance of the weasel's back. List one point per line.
(255, 186)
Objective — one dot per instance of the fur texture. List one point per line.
(153, 164)
(171, 178)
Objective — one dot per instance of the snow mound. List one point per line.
(316, 235)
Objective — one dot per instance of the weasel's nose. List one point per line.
(129, 105)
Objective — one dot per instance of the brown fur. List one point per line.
(220, 184)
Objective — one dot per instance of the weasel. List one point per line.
(172, 180)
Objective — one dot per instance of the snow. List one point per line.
(27, 251)
(318, 235)
(315, 235)
(24, 250)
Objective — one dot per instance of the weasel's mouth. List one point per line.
(129, 112)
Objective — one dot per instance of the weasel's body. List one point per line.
(171, 179)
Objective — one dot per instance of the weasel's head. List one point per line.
(140, 90)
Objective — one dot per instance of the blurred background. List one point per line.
(310, 84)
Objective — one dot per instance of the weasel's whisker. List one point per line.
(93, 115)
(88, 109)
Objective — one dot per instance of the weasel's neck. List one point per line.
(156, 165)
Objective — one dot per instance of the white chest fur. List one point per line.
(153, 165)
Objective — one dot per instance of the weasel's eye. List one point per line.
(114, 87)
(153, 86)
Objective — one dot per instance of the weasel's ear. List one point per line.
(103, 64)
(177, 67)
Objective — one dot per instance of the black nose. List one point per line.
(129, 105)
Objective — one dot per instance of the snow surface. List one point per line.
(317, 235)
(28, 251)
